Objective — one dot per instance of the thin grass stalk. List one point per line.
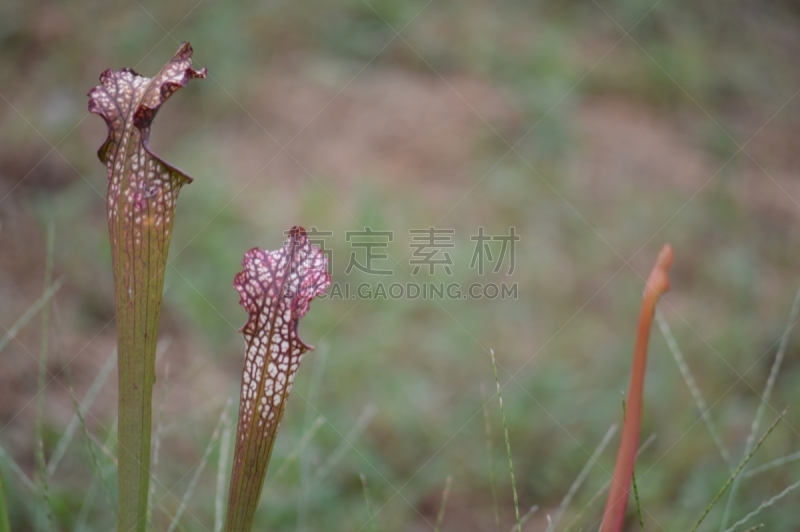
(702, 406)
(490, 453)
(222, 467)
(88, 500)
(525, 518)
(445, 495)
(18, 471)
(657, 284)
(95, 460)
(5, 524)
(338, 454)
(773, 377)
(297, 450)
(584, 473)
(772, 464)
(179, 426)
(637, 501)
(198, 470)
(28, 315)
(92, 442)
(763, 506)
(105, 449)
(508, 442)
(41, 462)
(85, 405)
(369, 504)
(306, 473)
(736, 472)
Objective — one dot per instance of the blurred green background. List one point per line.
(599, 130)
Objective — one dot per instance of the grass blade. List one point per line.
(41, 462)
(736, 472)
(369, 505)
(85, 405)
(508, 443)
(773, 464)
(26, 481)
(773, 376)
(361, 424)
(198, 470)
(492, 479)
(636, 500)
(532, 510)
(763, 506)
(23, 320)
(300, 447)
(95, 459)
(306, 473)
(576, 485)
(445, 495)
(5, 525)
(222, 468)
(88, 500)
(701, 404)
(90, 441)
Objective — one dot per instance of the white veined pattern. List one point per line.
(275, 287)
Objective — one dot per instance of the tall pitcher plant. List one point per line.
(276, 288)
(142, 191)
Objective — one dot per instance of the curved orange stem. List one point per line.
(657, 285)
